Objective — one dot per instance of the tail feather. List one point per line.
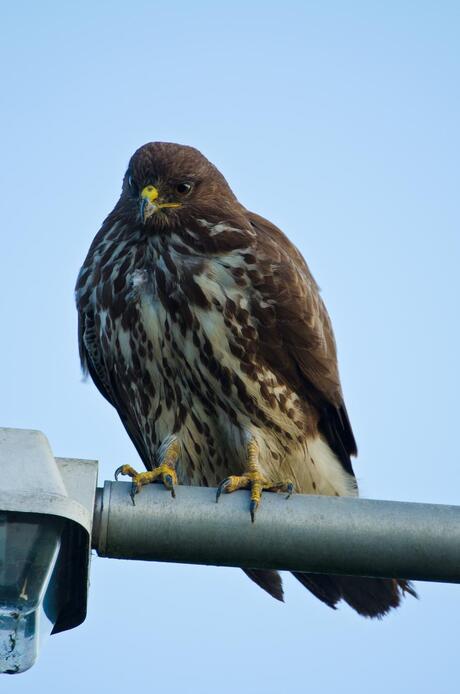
(268, 580)
(325, 589)
(370, 597)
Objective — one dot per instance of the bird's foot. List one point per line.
(253, 480)
(165, 472)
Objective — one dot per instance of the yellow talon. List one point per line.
(253, 480)
(165, 472)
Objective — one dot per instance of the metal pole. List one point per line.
(305, 533)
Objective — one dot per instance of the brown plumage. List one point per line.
(199, 321)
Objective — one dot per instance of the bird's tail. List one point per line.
(370, 597)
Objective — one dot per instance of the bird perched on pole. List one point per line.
(200, 322)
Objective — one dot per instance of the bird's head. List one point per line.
(167, 184)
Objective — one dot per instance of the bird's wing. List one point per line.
(98, 364)
(295, 332)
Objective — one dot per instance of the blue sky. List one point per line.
(337, 121)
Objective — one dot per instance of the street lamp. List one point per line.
(46, 508)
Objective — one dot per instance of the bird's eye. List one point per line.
(184, 188)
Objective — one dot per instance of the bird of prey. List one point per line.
(200, 322)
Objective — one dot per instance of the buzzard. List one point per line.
(200, 322)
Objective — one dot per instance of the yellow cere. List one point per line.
(149, 192)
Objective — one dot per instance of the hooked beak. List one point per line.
(149, 203)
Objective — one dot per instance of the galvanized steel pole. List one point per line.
(305, 533)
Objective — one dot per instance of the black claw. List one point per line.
(168, 483)
(253, 508)
(118, 472)
(290, 490)
(221, 488)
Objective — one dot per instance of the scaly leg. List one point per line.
(253, 480)
(164, 472)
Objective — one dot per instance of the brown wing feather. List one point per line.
(297, 340)
(97, 364)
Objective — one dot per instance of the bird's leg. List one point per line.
(165, 471)
(254, 480)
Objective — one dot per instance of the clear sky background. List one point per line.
(339, 121)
